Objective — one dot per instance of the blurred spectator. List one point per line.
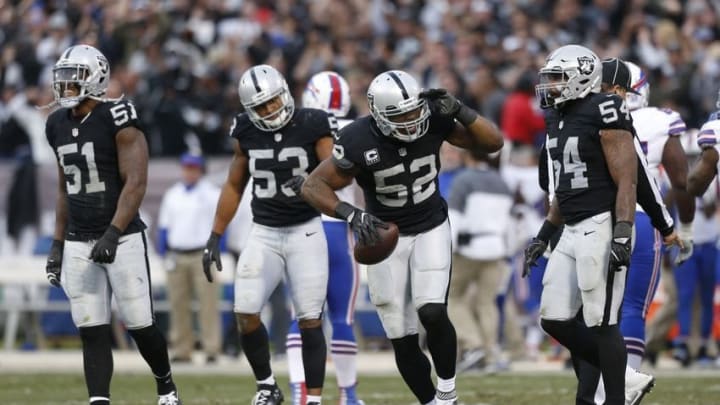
(480, 203)
(522, 122)
(186, 215)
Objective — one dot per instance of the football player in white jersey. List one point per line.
(705, 170)
(330, 92)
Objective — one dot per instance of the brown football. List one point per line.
(372, 254)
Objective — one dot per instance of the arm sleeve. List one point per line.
(342, 154)
(649, 198)
(123, 115)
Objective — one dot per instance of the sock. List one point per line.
(414, 367)
(634, 361)
(257, 351)
(298, 393)
(314, 354)
(446, 385)
(267, 381)
(576, 337)
(293, 348)
(441, 338)
(612, 362)
(348, 394)
(97, 361)
(344, 356)
(314, 398)
(153, 348)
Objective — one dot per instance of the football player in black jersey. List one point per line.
(393, 155)
(274, 143)
(590, 143)
(99, 247)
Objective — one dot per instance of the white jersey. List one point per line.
(346, 194)
(710, 130)
(653, 127)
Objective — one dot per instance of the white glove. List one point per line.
(685, 233)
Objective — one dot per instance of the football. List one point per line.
(372, 254)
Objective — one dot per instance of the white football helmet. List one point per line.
(639, 83)
(392, 95)
(84, 67)
(327, 91)
(571, 72)
(257, 86)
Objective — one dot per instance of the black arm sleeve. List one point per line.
(649, 198)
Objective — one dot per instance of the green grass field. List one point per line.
(515, 389)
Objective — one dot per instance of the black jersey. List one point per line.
(275, 157)
(85, 148)
(399, 179)
(583, 185)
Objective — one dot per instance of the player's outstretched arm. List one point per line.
(232, 189)
(619, 151)
(704, 171)
(475, 131)
(622, 162)
(132, 150)
(319, 188)
(676, 166)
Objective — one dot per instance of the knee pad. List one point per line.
(432, 315)
(95, 334)
(144, 334)
(406, 346)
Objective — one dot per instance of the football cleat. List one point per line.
(169, 399)
(446, 398)
(268, 395)
(637, 384)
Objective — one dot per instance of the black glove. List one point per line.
(538, 245)
(54, 262)
(621, 245)
(445, 104)
(533, 251)
(295, 184)
(106, 247)
(211, 254)
(363, 225)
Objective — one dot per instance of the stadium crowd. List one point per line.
(180, 62)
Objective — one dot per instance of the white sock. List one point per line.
(344, 355)
(268, 381)
(314, 398)
(430, 403)
(296, 369)
(446, 385)
(634, 361)
(600, 392)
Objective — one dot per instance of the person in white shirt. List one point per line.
(186, 217)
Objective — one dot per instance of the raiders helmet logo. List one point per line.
(586, 65)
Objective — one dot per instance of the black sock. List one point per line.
(153, 348)
(257, 351)
(576, 337)
(414, 367)
(612, 362)
(441, 338)
(588, 378)
(314, 354)
(97, 361)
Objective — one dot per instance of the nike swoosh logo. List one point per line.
(310, 233)
(588, 233)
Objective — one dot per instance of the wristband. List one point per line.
(345, 211)
(547, 230)
(466, 115)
